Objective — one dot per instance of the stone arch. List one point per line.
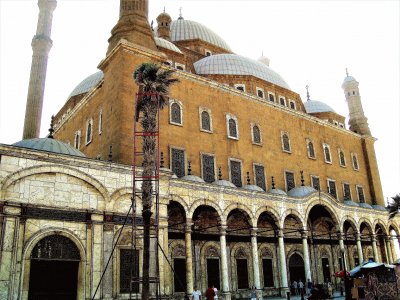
(182, 202)
(177, 249)
(394, 227)
(367, 224)
(61, 169)
(205, 249)
(240, 251)
(31, 243)
(327, 205)
(210, 250)
(205, 202)
(381, 224)
(296, 215)
(243, 208)
(117, 204)
(351, 221)
(271, 211)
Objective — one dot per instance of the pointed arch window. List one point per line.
(342, 159)
(100, 121)
(175, 112)
(310, 149)
(205, 121)
(360, 194)
(89, 131)
(77, 139)
(355, 161)
(256, 134)
(285, 142)
(232, 127)
(327, 153)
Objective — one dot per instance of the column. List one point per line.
(167, 268)
(256, 266)
(306, 256)
(385, 249)
(343, 250)
(8, 251)
(388, 249)
(374, 248)
(224, 264)
(108, 275)
(97, 253)
(283, 269)
(392, 242)
(359, 249)
(189, 258)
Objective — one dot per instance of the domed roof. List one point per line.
(252, 187)
(277, 192)
(365, 205)
(232, 64)
(193, 178)
(182, 30)
(350, 203)
(378, 207)
(349, 78)
(87, 84)
(166, 44)
(314, 106)
(49, 145)
(301, 191)
(226, 183)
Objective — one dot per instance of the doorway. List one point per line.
(179, 275)
(326, 270)
(54, 269)
(296, 268)
(213, 272)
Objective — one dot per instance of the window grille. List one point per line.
(176, 115)
(260, 176)
(360, 192)
(236, 173)
(285, 142)
(290, 184)
(346, 191)
(232, 128)
(256, 135)
(178, 162)
(129, 262)
(327, 153)
(315, 183)
(311, 152)
(342, 159)
(355, 162)
(208, 168)
(205, 121)
(332, 188)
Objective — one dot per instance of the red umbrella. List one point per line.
(341, 273)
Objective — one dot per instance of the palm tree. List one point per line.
(154, 83)
(394, 207)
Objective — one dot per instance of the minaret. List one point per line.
(133, 25)
(357, 120)
(41, 45)
(164, 26)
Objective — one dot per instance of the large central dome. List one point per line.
(182, 30)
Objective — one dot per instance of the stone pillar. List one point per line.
(256, 266)
(167, 266)
(359, 249)
(392, 243)
(97, 254)
(388, 249)
(385, 249)
(108, 275)
(374, 248)
(189, 258)
(343, 250)
(224, 264)
(41, 45)
(283, 268)
(306, 255)
(9, 250)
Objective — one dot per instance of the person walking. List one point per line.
(216, 292)
(253, 293)
(210, 293)
(294, 285)
(309, 286)
(196, 295)
(300, 286)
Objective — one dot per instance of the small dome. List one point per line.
(49, 145)
(350, 203)
(163, 16)
(193, 178)
(277, 192)
(87, 84)
(232, 64)
(224, 183)
(365, 205)
(313, 106)
(251, 187)
(182, 30)
(301, 191)
(378, 207)
(349, 79)
(166, 44)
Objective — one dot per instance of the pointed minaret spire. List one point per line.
(41, 45)
(180, 14)
(51, 129)
(133, 25)
(308, 93)
(347, 73)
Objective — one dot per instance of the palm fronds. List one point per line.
(394, 206)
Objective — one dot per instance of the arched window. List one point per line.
(256, 135)
(77, 139)
(310, 150)
(89, 128)
(100, 121)
(205, 121)
(175, 114)
(285, 142)
(55, 247)
(342, 158)
(327, 153)
(355, 161)
(232, 128)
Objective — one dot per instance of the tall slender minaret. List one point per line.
(41, 45)
(133, 25)
(358, 122)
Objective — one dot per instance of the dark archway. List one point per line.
(54, 269)
(296, 268)
(380, 239)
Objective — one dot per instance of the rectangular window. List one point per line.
(260, 92)
(129, 262)
(179, 275)
(242, 273)
(360, 193)
(236, 172)
(271, 97)
(260, 176)
(208, 167)
(346, 191)
(289, 176)
(315, 182)
(292, 104)
(178, 162)
(268, 272)
(282, 101)
(332, 188)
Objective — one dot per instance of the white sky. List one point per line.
(308, 42)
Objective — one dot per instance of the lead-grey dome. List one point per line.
(226, 183)
(87, 84)
(252, 187)
(182, 30)
(163, 43)
(301, 191)
(350, 203)
(49, 145)
(277, 192)
(233, 64)
(193, 178)
(314, 106)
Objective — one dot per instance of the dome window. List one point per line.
(360, 193)
(89, 131)
(327, 153)
(260, 92)
(342, 159)
(355, 161)
(208, 52)
(240, 87)
(332, 188)
(100, 121)
(256, 134)
(175, 112)
(271, 97)
(310, 149)
(285, 142)
(232, 126)
(77, 139)
(282, 101)
(205, 120)
(179, 66)
(292, 104)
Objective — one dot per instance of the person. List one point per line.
(309, 286)
(253, 294)
(300, 286)
(210, 293)
(196, 295)
(215, 291)
(330, 289)
(294, 285)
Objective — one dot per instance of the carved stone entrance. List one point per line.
(296, 268)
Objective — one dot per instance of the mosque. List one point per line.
(258, 188)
